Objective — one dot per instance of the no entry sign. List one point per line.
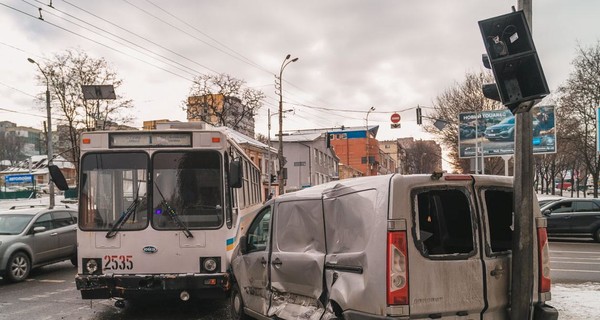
(395, 118)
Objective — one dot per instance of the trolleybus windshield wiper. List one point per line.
(173, 215)
(123, 218)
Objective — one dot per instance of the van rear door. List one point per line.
(496, 208)
(445, 265)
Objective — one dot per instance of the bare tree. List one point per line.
(225, 98)
(66, 73)
(462, 97)
(12, 146)
(580, 96)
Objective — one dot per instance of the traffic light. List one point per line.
(273, 178)
(511, 54)
(419, 116)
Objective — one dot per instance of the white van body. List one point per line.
(386, 247)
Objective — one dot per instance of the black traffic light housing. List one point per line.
(520, 79)
(419, 116)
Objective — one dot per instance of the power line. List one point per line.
(141, 37)
(21, 91)
(21, 112)
(208, 36)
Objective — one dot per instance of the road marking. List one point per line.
(53, 281)
(585, 252)
(571, 270)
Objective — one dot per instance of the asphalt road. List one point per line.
(574, 261)
(50, 293)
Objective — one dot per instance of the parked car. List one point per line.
(386, 247)
(573, 218)
(546, 199)
(33, 236)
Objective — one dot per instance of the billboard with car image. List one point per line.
(492, 133)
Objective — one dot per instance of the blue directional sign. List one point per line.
(19, 178)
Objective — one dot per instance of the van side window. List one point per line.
(499, 207)
(444, 222)
(258, 233)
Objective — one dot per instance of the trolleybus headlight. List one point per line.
(91, 266)
(210, 265)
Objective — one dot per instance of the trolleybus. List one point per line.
(159, 212)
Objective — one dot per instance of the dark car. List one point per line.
(573, 218)
(36, 236)
(505, 131)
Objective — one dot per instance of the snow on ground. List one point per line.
(576, 301)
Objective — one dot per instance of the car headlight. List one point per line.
(91, 266)
(210, 264)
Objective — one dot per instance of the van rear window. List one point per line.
(444, 222)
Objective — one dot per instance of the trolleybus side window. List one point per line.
(187, 189)
(114, 188)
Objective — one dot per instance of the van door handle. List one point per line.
(277, 263)
(497, 272)
(54, 234)
(263, 262)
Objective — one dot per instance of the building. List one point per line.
(220, 110)
(38, 167)
(393, 149)
(32, 139)
(357, 147)
(309, 160)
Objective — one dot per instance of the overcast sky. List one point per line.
(389, 54)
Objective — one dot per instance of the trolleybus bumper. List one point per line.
(138, 286)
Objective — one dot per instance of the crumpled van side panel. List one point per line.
(356, 227)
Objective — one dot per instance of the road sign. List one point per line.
(19, 178)
(394, 125)
(395, 118)
(300, 164)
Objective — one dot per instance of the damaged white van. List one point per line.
(386, 247)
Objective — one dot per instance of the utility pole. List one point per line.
(49, 149)
(522, 247)
(368, 151)
(280, 177)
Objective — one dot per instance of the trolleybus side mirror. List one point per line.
(58, 178)
(243, 245)
(235, 174)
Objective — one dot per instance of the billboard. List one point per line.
(492, 133)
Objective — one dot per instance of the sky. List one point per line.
(353, 54)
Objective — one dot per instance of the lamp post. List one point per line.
(284, 64)
(368, 171)
(269, 129)
(49, 131)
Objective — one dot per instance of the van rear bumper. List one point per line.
(134, 286)
(544, 312)
(357, 315)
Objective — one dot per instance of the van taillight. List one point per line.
(397, 268)
(543, 261)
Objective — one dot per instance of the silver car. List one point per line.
(33, 236)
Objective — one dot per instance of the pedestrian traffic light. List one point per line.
(419, 116)
(520, 80)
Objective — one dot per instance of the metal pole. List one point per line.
(522, 246)
(280, 179)
(368, 151)
(49, 137)
(269, 146)
(48, 132)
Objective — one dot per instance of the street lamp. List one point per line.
(284, 64)
(269, 127)
(49, 132)
(368, 173)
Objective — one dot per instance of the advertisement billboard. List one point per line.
(492, 133)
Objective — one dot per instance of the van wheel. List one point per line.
(236, 304)
(597, 235)
(18, 267)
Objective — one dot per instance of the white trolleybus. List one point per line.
(159, 212)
